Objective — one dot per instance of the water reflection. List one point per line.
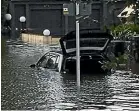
(125, 91)
(24, 88)
(50, 88)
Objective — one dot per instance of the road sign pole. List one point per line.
(77, 48)
(81, 9)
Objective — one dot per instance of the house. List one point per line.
(48, 14)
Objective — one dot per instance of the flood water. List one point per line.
(23, 88)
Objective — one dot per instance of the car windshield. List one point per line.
(86, 44)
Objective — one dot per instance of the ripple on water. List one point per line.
(24, 88)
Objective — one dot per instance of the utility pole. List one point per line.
(79, 10)
(77, 49)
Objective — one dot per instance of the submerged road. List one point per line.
(23, 88)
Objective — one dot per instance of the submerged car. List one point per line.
(92, 53)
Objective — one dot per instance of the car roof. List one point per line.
(54, 53)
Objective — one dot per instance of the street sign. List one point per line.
(69, 9)
(84, 9)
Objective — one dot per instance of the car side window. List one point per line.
(42, 62)
(49, 61)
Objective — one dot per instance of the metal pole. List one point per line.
(77, 48)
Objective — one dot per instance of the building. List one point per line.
(48, 14)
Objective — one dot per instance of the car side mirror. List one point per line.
(33, 66)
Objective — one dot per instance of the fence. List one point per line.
(39, 39)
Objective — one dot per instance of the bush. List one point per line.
(124, 31)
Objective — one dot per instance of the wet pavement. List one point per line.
(23, 88)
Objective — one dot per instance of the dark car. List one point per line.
(135, 47)
(92, 53)
(119, 47)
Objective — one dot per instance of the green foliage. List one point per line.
(129, 2)
(134, 17)
(116, 62)
(124, 31)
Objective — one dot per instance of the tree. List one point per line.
(135, 15)
(124, 31)
(129, 2)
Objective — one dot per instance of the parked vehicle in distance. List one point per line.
(118, 47)
(135, 47)
(92, 53)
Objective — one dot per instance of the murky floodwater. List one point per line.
(23, 88)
